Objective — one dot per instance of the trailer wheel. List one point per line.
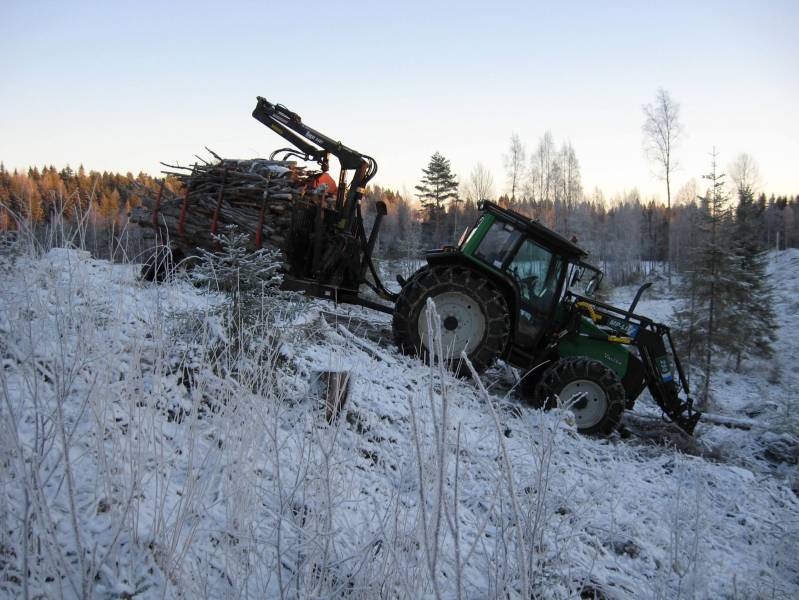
(474, 316)
(159, 266)
(597, 391)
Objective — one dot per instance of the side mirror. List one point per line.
(577, 276)
(464, 235)
(591, 287)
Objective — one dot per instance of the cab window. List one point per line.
(538, 271)
(498, 244)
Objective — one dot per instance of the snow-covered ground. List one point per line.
(137, 459)
(764, 392)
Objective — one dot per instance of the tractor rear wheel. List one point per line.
(474, 316)
(593, 390)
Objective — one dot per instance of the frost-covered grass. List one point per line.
(139, 458)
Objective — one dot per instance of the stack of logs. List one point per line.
(255, 195)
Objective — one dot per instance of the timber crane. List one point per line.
(336, 261)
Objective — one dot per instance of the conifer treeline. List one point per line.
(36, 195)
(642, 225)
(625, 235)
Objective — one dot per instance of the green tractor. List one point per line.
(512, 289)
(516, 290)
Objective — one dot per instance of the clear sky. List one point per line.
(123, 85)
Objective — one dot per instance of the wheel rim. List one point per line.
(587, 400)
(462, 323)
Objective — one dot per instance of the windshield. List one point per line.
(584, 279)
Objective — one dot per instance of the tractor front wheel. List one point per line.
(474, 316)
(591, 390)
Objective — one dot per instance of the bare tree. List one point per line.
(514, 164)
(572, 189)
(544, 169)
(745, 173)
(481, 183)
(662, 130)
(685, 224)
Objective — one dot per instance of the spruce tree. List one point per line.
(754, 302)
(708, 316)
(437, 186)
(251, 279)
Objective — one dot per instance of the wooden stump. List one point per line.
(334, 389)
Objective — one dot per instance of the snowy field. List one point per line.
(140, 458)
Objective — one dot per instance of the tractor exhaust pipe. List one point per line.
(638, 295)
(382, 211)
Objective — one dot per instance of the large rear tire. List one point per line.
(596, 390)
(474, 316)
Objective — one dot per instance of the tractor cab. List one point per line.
(539, 263)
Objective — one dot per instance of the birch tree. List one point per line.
(662, 130)
(514, 164)
(571, 187)
(481, 183)
(543, 168)
(745, 174)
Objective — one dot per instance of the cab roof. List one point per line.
(535, 230)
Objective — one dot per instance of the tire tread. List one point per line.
(565, 370)
(430, 281)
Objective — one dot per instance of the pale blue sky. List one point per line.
(122, 86)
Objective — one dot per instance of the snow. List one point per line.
(264, 167)
(194, 475)
(762, 392)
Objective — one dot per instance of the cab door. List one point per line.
(538, 273)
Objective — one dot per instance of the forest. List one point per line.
(626, 233)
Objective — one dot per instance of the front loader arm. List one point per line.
(648, 337)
